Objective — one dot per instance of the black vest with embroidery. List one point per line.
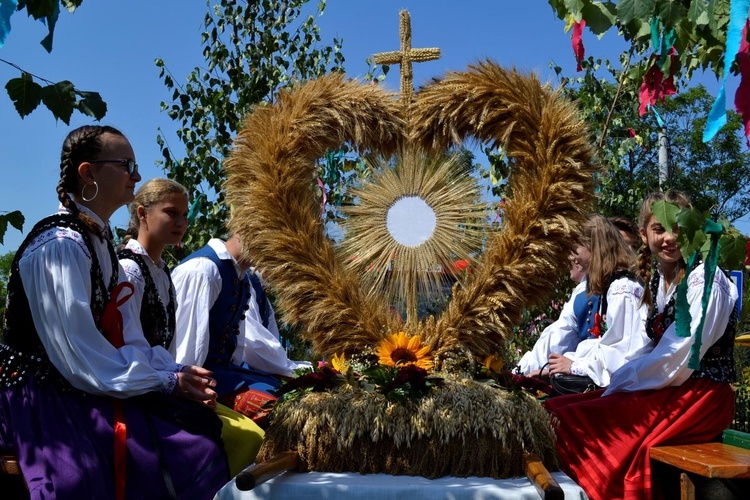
(718, 361)
(158, 322)
(21, 350)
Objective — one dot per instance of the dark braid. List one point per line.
(81, 144)
(645, 267)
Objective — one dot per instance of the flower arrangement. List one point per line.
(386, 410)
(399, 369)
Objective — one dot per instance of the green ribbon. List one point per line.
(195, 208)
(682, 315)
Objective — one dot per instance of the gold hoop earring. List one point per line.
(83, 197)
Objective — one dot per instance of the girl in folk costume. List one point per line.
(575, 343)
(158, 218)
(570, 327)
(618, 332)
(79, 385)
(679, 393)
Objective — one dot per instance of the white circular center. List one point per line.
(410, 221)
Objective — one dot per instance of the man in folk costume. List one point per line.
(214, 290)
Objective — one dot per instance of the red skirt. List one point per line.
(604, 443)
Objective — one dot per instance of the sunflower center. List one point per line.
(402, 355)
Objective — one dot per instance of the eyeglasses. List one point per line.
(129, 164)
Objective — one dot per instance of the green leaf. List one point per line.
(60, 98)
(25, 93)
(698, 12)
(732, 250)
(39, 9)
(91, 104)
(575, 7)
(688, 247)
(16, 220)
(599, 17)
(670, 12)
(71, 5)
(632, 10)
(665, 213)
(690, 221)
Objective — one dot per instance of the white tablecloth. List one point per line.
(329, 485)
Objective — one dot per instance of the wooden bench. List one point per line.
(711, 460)
(9, 465)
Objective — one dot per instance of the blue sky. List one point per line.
(110, 47)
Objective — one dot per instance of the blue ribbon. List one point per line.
(717, 118)
(659, 119)
(7, 8)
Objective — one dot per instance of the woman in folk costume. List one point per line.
(573, 324)
(618, 332)
(158, 218)
(679, 393)
(81, 388)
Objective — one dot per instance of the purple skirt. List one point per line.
(65, 447)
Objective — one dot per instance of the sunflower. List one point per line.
(493, 363)
(338, 362)
(399, 349)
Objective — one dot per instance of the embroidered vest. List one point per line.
(718, 362)
(158, 322)
(228, 310)
(21, 350)
(585, 307)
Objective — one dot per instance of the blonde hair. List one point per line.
(610, 253)
(150, 193)
(645, 259)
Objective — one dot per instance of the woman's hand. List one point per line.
(195, 382)
(559, 364)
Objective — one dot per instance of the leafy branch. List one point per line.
(61, 98)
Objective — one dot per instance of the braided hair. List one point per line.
(149, 194)
(645, 259)
(82, 144)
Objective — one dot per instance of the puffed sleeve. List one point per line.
(197, 285)
(667, 364)
(56, 277)
(624, 339)
(559, 337)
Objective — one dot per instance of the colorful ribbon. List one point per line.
(682, 315)
(742, 97)
(7, 8)
(112, 327)
(195, 208)
(717, 118)
(578, 48)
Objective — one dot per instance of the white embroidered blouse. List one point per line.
(55, 270)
